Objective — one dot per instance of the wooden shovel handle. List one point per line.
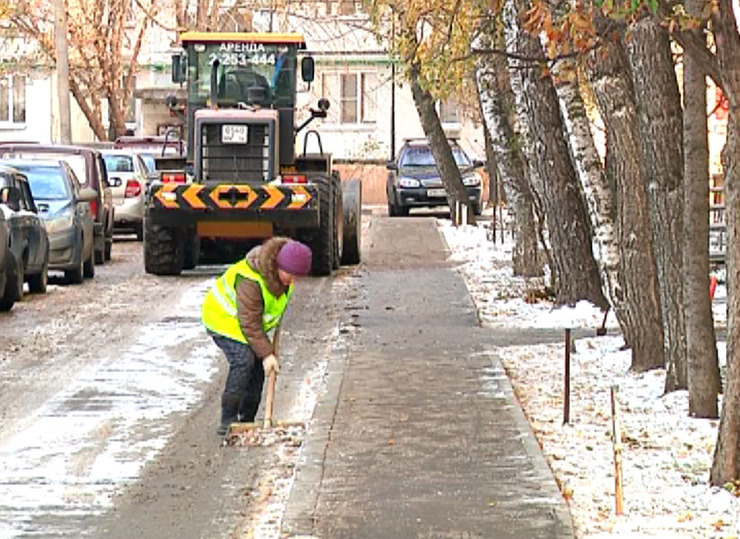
(270, 398)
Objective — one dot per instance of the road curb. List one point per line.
(299, 514)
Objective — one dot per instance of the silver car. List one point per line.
(65, 208)
(127, 177)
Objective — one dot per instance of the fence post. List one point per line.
(566, 392)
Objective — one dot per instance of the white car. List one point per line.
(127, 177)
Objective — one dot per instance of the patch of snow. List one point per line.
(666, 454)
(100, 431)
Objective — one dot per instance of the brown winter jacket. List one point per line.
(249, 304)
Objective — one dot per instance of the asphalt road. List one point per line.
(109, 398)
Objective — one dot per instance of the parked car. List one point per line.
(89, 169)
(64, 205)
(127, 177)
(11, 287)
(29, 241)
(414, 180)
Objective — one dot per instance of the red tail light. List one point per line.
(173, 177)
(294, 178)
(133, 188)
(94, 207)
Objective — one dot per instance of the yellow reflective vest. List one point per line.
(219, 312)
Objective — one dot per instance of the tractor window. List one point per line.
(250, 73)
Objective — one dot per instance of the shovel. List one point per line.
(256, 433)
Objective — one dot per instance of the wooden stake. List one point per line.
(566, 395)
(617, 444)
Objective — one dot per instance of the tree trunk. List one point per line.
(448, 169)
(597, 187)
(726, 465)
(701, 347)
(641, 319)
(576, 275)
(660, 121)
(496, 98)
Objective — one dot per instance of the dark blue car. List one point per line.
(29, 243)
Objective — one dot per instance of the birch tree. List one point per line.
(496, 100)
(552, 177)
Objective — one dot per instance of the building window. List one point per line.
(349, 99)
(356, 97)
(448, 112)
(369, 105)
(13, 99)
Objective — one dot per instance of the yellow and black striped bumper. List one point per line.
(294, 205)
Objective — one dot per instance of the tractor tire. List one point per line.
(338, 219)
(14, 285)
(321, 240)
(352, 221)
(163, 250)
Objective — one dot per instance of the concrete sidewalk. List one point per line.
(419, 433)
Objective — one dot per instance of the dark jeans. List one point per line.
(246, 376)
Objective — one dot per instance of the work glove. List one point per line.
(270, 364)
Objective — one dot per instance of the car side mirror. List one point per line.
(11, 197)
(88, 195)
(391, 165)
(115, 182)
(178, 68)
(477, 163)
(307, 69)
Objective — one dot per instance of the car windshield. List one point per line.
(422, 157)
(118, 163)
(77, 162)
(148, 161)
(47, 183)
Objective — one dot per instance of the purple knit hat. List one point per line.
(295, 258)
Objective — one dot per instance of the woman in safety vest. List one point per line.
(241, 310)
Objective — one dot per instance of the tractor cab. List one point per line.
(244, 71)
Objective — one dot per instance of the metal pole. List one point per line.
(393, 93)
(62, 58)
(566, 396)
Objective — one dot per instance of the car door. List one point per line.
(83, 215)
(38, 238)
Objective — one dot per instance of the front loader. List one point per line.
(240, 180)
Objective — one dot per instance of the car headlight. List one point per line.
(471, 181)
(61, 223)
(408, 182)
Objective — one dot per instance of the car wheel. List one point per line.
(402, 211)
(477, 208)
(14, 285)
(76, 274)
(37, 283)
(88, 268)
(139, 229)
(107, 254)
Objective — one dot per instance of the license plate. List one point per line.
(436, 193)
(234, 134)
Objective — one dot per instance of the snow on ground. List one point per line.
(666, 455)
